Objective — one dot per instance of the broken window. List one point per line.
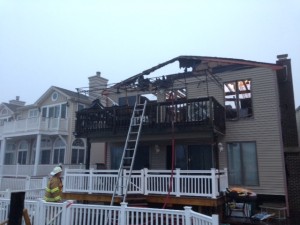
(238, 99)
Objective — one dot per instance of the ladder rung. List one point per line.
(126, 167)
(130, 149)
(128, 157)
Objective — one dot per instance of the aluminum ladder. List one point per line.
(130, 149)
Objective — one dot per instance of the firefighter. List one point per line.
(54, 188)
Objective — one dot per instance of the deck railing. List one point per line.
(69, 213)
(28, 170)
(197, 113)
(22, 183)
(204, 183)
(35, 124)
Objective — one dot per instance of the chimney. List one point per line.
(96, 85)
(282, 57)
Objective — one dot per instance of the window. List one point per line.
(63, 111)
(238, 99)
(22, 152)
(10, 154)
(78, 150)
(242, 163)
(54, 96)
(4, 112)
(33, 113)
(59, 151)
(54, 111)
(2, 121)
(80, 107)
(116, 153)
(46, 146)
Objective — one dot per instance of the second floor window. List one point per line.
(55, 111)
(238, 99)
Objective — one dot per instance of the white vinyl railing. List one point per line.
(34, 124)
(22, 183)
(43, 169)
(69, 213)
(204, 183)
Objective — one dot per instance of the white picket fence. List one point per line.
(201, 183)
(69, 213)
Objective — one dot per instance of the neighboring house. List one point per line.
(36, 137)
(215, 113)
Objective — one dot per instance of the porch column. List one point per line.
(37, 153)
(2, 155)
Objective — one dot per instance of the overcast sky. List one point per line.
(63, 42)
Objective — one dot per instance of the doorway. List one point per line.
(191, 157)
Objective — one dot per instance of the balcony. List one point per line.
(192, 115)
(34, 126)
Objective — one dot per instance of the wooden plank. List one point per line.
(26, 217)
(193, 201)
(4, 222)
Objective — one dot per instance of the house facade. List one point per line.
(36, 137)
(214, 113)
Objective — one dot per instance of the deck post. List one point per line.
(215, 219)
(213, 183)
(146, 181)
(177, 182)
(123, 213)
(90, 181)
(142, 187)
(187, 215)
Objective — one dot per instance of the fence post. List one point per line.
(215, 219)
(8, 193)
(123, 213)
(90, 182)
(66, 212)
(177, 182)
(187, 215)
(146, 192)
(27, 183)
(213, 183)
(41, 212)
(44, 182)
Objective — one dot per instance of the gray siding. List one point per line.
(263, 128)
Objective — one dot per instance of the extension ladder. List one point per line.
(130, 149)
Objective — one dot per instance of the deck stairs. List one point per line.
(130, 148)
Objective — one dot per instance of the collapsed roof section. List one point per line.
(193, 66)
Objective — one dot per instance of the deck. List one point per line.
(188, 116)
